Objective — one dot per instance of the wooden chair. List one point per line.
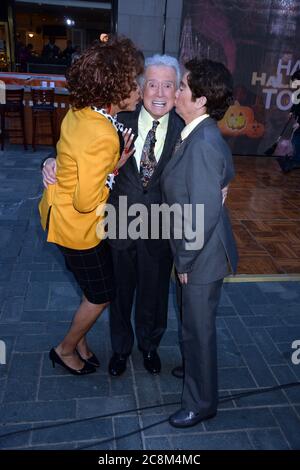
(43, 105)
(12, 109)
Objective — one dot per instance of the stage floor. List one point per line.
(264, 205)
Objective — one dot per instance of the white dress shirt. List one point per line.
(145, 123)
(191, 126)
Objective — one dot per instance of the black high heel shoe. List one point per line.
(93, 360)
(86, 369)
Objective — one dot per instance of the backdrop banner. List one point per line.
(258, 40)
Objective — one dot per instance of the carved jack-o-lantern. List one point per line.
(256, 130)
(236, 120)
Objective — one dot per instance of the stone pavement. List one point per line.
(257, 323)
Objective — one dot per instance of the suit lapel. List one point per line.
(175, 158)
(179, 152)
(130, 120)
(133, 166)
(206, 122)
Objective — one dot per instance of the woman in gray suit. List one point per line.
(206, 252)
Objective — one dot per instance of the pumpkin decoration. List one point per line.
(256, 130)
(239, 120)
(236, 120)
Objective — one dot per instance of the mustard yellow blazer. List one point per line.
(88, 150)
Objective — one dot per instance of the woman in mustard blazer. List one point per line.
(101, 82)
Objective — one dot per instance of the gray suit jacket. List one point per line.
(196, 173)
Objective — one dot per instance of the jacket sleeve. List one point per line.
(93, 166)
(203, 181)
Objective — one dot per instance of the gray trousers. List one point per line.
(199, 347)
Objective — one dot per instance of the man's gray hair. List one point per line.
(157, 60)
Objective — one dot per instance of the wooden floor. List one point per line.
(264, 205)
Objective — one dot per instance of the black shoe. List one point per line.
(93, 360)
(152, 362)
(55, 358)
(185, 419)
(117, 364)
(178, 372)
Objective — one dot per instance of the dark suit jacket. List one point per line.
(199, 169)
(128, 182)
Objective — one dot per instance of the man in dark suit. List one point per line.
(199, 169)
(142, 267)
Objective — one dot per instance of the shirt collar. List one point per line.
(191, 126)
(146, 119)
(117, 125)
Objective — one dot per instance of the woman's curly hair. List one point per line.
(212, 80)
(104, 74)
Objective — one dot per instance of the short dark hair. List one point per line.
(104, 74)
(212, 80)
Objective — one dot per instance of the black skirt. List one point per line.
(93, 271)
